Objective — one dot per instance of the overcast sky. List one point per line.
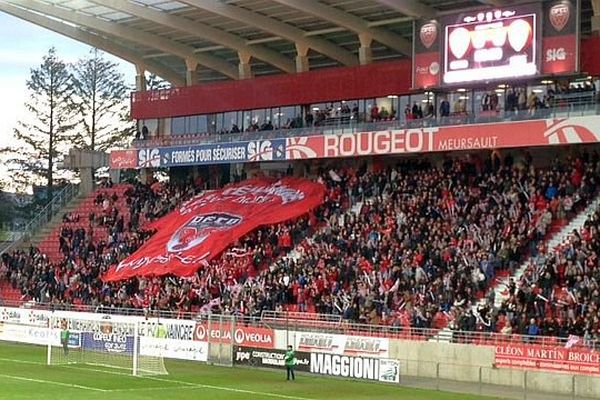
(22, 46)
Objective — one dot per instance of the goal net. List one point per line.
(101, 342)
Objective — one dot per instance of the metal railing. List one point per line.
(562, 109)
(45, 215)
(325, 323)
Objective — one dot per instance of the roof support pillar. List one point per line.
(302, 64)
(365, 53)
(191, 74)
(244, 66)
(140, 78)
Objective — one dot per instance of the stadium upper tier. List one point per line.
(407, 245)
(379, 114)
(198, 41)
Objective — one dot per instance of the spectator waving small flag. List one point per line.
(572, 341)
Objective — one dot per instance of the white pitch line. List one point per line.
(188, 385)
(21, 361)
(228, 389)
(47, 382)
(154, 388)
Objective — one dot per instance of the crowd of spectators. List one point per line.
(405, 245)
(559, 292)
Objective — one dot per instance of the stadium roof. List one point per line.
(229, 39)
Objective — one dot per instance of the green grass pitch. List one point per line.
(24, 375)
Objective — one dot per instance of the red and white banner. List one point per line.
(426, 61)
(342, 344)
(242, 336)
(561, 37)
(447, 138)
(579, 360)
(206, 225)
(123, 159)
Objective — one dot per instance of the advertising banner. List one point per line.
(426, 59)
(383, 370)
(561, 37)
(36, 317)
(170, 328)
(555, 359)
(173, 348)
(248, 336)
(35, 335)
(203, 227)
(448, 138)
(429, 139)
(210, 153)
(110, 342)
(490, 44)
(8, 314)
(123, 159)
(342, 344)
(272, 358)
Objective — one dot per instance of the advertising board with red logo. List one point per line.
(447, 138)
(203, 227)
(426, 60)
(342, 344)
(561, 37)
(123, 159)
(556, 359)
(249, 336)
(542, 132)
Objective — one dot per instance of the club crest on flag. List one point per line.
(197, 229)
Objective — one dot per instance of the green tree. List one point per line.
(101, 97)
(44, 135)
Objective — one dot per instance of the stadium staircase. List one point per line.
(555, 240)
(65, 200)
(559, 231)
(45, 234)
(48, 241)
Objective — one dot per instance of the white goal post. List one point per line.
(101, 341)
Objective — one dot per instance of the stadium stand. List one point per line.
(413, 245)
(558, 294)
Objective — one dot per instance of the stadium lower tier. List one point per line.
(409, 243)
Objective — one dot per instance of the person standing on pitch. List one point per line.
(64, 337)
(290, 363)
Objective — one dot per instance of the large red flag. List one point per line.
(207, 224)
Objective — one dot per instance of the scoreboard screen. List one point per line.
(524, 40)
(491, 45)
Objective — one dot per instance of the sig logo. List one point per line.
(260, 150)
(149, 158)
(558, 54)
(266, 150)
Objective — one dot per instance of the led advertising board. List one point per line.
(497, 44)
(490, 45)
